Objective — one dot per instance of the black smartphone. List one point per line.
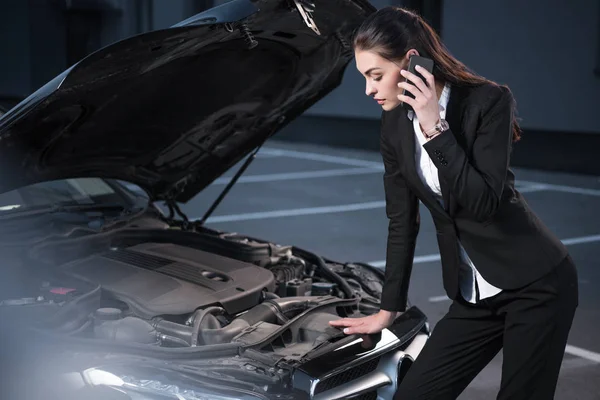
(424, 62)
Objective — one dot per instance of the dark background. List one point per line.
(547, 51)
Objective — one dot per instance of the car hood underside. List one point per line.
(172, 110)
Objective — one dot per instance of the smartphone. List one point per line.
(424, 62)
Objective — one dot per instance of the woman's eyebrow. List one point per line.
(371, 69)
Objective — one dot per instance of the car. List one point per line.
(110, 291)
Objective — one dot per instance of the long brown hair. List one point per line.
(392, 31)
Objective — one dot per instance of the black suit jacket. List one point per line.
(506, 241)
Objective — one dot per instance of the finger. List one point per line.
(352, 330)
(412, 89)
(427, 75)
(408, 100)
(416, 80)
(344, 322)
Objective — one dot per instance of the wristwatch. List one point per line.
(440, 127)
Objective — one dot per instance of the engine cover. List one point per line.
(163, 278)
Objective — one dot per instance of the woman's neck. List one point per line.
(439, 88)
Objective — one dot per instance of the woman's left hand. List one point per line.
(425, 103)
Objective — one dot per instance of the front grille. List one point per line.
(367, 396)
(348, 376)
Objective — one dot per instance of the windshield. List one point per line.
(68, 192)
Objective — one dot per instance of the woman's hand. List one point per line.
(425, 103)
(372, 324)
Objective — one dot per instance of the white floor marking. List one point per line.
(436, 257)
(583, 353)
(325, 158)
(296, 212)
(416, 260)
(562, 188)
(438, 299)
(298, 175)
(582, 239)
(533, 186)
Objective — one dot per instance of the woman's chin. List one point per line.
(387, 106)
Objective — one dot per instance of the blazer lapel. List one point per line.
(407, 135)
(454, 116)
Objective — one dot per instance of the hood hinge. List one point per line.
(306, 8)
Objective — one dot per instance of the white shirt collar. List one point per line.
(443, 102)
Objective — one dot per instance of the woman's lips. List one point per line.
(380, 101)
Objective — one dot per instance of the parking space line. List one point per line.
(583, 353)
(298, 175)
(416, 260)
(562, 188)
(262, 154)
(438, 299)
(530, 185)
(583, 239)
(531, 188)
(303, 155)
(296, 212)
(437, 257)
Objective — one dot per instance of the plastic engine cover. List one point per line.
(155, 279)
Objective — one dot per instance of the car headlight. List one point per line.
(151, 389)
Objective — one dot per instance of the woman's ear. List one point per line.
(410, 53)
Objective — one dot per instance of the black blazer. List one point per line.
(504, 238)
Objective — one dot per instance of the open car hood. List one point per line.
(172, 110)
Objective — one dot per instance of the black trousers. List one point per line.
(530, 324)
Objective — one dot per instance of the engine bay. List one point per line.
(176, 288)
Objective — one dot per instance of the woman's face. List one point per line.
(382, 77)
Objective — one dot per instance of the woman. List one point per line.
(512, 282)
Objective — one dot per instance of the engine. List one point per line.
(180, 289)
(162, 278)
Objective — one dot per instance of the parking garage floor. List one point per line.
(331, 201)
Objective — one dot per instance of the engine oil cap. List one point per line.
(108, 314)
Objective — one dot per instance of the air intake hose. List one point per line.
(268, 311)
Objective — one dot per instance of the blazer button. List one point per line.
(437, 152)
(444, 163)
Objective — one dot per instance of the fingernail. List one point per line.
(346, 330)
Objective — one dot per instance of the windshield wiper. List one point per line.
(89, 207)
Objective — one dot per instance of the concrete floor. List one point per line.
(330, 201)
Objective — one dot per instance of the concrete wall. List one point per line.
(15, 59)
(545, 50)
(528, 45)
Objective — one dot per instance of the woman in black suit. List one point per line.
(513, 284)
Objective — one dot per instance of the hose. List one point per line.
(173, 329)
(173, 340)
(268, 311)
(198, 318)
(327, 272)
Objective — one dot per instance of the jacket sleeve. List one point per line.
(402, 209)
(477, 183)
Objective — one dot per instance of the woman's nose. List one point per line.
(370, 90)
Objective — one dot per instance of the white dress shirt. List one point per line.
(470, 280)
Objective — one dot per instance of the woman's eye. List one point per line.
(377, 79)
